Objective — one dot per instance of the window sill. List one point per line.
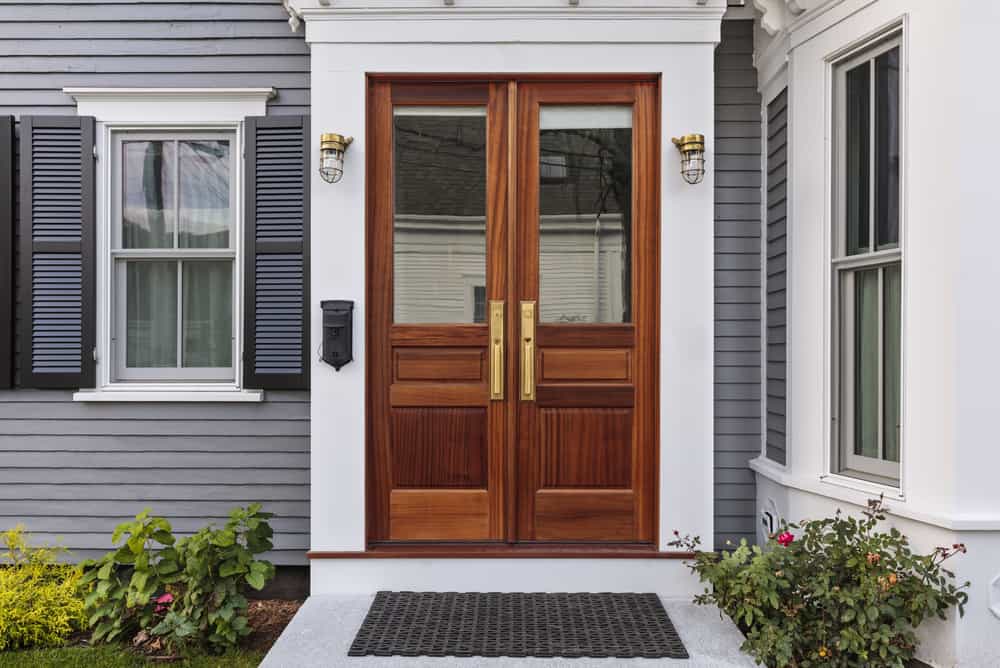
(175, 395)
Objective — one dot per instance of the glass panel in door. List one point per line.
(584, 198)
(439, 226)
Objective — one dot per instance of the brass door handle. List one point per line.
(528, 351)
(496, 350)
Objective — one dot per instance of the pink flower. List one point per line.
(785, 539)
(165, 598)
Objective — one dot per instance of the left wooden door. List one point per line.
(437, 317)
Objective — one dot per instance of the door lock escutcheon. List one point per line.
(496, 350)
(528, 351)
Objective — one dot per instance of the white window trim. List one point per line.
(865, 49)
(169, 110)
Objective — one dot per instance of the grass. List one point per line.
(111, 656)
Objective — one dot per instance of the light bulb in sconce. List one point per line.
(332, 147)
(692, 150)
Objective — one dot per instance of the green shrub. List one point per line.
(836, 592)
(186, 591)
(39, 603)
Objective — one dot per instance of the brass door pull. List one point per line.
(528, 351)
(496, 350)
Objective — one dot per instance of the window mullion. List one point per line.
(180, 314)
(177, 193)
(880, 409)
(872, 141)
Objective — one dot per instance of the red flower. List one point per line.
(785, 539)
(163, 602)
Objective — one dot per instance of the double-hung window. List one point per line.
(867, 264)
(173, 256)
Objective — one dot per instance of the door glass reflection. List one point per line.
(585, 199)
(439, 222)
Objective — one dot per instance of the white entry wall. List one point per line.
(675, 38)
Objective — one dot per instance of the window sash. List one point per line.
(844, 269)
(847, 461)
(840, 130)
(119, 257)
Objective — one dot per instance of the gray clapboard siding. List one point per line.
(72, 471)
(737, 164)
(777, 181)
(46, 46)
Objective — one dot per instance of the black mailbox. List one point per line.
(338, 331)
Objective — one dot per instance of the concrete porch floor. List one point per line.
(322, 631)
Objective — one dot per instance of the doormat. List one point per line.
(605, 625)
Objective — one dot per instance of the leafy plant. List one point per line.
(39, 605)
(830, 592)
(215, 563)
(187, 591)
(120, 585)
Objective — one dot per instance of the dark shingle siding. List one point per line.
(737, 164)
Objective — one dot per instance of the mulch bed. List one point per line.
(268, 618)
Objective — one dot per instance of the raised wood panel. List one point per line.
(440, 364)
(558, 364)
(439, 447)
(438, 394)
(602, 515)
(595, 395)
(589, 447)
(439, 515)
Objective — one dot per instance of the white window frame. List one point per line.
(165, 110)
(843, 461)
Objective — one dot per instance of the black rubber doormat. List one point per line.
(518, 625)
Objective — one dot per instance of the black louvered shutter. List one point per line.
(56, 225)
(276, 331)
(6, 251)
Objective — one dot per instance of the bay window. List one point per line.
(867, 264)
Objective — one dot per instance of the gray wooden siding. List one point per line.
(777, 171)
(45, 46)
(72, 471)
(737, 164)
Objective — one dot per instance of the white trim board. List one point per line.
(171, 105)
(363, 575)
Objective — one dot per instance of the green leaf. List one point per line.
(230, 568)
(163, 537)
(255, 580)
(105, 571)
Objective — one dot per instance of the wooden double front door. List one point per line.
(512, 309)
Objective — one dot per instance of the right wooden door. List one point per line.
(587, 276)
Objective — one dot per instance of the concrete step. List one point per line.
(323, 629)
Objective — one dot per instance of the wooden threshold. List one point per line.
(504, 551)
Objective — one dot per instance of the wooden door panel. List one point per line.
(585, 515)
(562, 364)
(429, 515)
(439, 448)
(583, 447)
(440, 364)
(439, 394)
